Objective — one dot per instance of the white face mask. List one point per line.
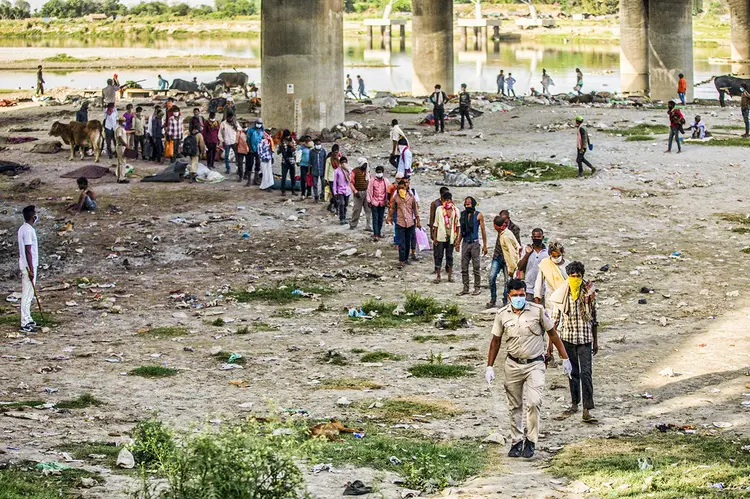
(379, 175)
(318, 147)
(258, 125)
(556, 260)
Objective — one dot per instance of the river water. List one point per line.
(382, 69)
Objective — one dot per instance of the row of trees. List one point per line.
(18, 10)
(78, 8)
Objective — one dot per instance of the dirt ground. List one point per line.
(640, 207)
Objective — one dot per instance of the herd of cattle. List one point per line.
(225, 82)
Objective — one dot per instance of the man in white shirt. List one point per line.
(404, 159)
(396, 135)
(110, 123)
(529, 263)
(28, 261)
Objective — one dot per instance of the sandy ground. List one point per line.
(641, 206)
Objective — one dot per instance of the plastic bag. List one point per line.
(591, 146)
(328, 194)
(309, 180)
(168, 148)
(423, 242)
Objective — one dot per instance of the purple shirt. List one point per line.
(341, 181)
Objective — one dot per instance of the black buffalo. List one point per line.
(731, 85)
(185, 86)
(236, 79)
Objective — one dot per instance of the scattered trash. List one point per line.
(349, 252)
(675, 254)
(240, 383)
(642, 301)
(646, 290)
(722, 424)
(234, 357)
(643, 464)
(667, 371)
(356, 488)
(394, 460)
(647, 396)
(665, 427)
(719, 486)
(125, 459)
(353, 312)
(494, 438)
(13, 297)
(227, 366)
(605, 268)
(87, 482)
(47, 467)
(732, 294)
(298, 292)
(343, 401)
(323, 467)
(358, 435)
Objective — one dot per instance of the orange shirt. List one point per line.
(682, 86)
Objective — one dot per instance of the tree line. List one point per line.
(79, 8)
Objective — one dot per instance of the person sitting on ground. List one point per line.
(699, 129)
(86, 199)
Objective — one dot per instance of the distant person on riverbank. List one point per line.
(157, 135)
(163, 84)
(682, 88)
(121, 137)
(82, 115)
(438, 99)
(350, 87)
(109, 93)
(745, 106)
(583, 143)
(396, 135)
(361, 88)
(501, 83)
(174, 133)
(139, 132)
(676, 120)
(546, 82)
(510, 81)
(110, 124)
(579, 82)
(211, 138)
(464, 106)
(39, 81)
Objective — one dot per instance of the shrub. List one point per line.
(153, 443)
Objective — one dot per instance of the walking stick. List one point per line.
(39, 303)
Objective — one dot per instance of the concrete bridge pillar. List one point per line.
(739, 14)
(670, 47)
(432, 45)
(634, 46)
(302, 63)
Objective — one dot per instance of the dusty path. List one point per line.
(663, 203)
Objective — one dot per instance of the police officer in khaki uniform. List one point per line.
(522, 325)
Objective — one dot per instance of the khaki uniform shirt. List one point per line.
(523, 334)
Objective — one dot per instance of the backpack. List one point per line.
(190, 146)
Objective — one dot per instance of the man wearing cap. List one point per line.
(521, 325)
(582, 141)
(254, 136)
(121, 142)
(464, 106)
(360, 181)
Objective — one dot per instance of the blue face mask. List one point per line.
(518, 302)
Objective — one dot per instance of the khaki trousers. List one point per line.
(524, 384)
(120, 171)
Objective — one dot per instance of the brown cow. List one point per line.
(81, 135)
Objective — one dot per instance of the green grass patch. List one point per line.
(408, 110)
(4, 406)
(80, 402)
(640, 129)
(226, 357)
(438, 370)
(422, 463)
(379, 356)
(639, 138)
(399, 408)
(737, 218)
(358, 350)
(443, 338)
(24, 481)
(349, 384)
(263, 327)
(729, 127)
(416, 308)
(733, 142)
(153, 372)
(218, 322)
(166, 332)
(15, 319)
(746, 251)
(82, 450)
(283, 292)
(741, 230)
(333, 357)
(533, 171)
(63, 58)
(677, 465)
(243, 330)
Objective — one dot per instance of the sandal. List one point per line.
(356, 488)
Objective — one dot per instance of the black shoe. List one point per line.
(528, 450)
(515, 451)
(356, 488)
